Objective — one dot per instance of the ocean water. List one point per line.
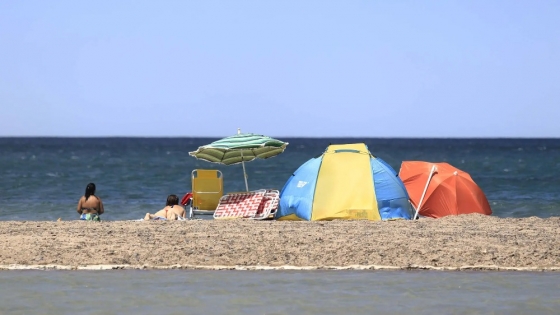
(278, 292)
(43, 178)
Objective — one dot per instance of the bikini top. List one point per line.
(167, 210)
(90, 209)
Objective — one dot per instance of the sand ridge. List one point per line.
(466, 242)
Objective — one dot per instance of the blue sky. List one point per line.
(280, 68)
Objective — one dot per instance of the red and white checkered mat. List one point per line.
(239, 205)
(269, 205)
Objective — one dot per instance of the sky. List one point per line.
(280, 68)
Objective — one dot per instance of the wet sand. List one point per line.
(452, 243)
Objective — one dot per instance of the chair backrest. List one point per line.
(207, 188)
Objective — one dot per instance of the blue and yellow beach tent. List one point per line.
(345, 182)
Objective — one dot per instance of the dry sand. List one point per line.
(451, 243)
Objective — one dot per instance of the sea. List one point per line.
(41, 179)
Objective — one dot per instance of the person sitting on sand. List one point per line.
(90, 207)
(172, 210)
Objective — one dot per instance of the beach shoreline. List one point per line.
(466, 242)
(276, 268)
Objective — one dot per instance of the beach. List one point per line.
(450, 243)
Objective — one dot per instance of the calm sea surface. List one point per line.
(278, 292)
(43, 178)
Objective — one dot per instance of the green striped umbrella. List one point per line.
(241, 148)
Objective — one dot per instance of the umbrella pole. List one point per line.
(424, 192)
(244, 174)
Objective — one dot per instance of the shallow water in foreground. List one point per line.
(278, 292)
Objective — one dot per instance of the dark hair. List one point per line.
(172, 200)
(90, 190)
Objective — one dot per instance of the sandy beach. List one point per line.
(451, 243)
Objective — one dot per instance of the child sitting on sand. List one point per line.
(172, 210)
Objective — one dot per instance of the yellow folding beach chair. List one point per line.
(207, 189)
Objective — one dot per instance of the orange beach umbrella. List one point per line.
(440, 189)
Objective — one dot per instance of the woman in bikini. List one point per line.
(172, 210)
(90, 207)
